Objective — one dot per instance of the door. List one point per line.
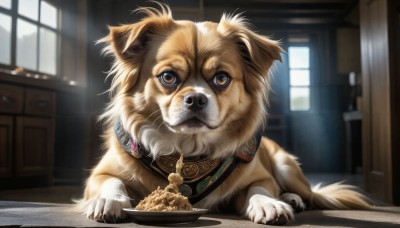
(34, 146)
(380, 111)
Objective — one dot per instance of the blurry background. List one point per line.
(52, 79)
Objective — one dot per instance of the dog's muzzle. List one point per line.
(195, 101)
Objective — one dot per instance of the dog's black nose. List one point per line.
(195, 101)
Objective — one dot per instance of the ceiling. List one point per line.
(264, 13)
(296, 12)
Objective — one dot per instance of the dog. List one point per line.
(201, 90)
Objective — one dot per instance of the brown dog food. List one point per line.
(168, 199)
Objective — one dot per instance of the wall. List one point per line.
(72, 134)
(317, 136)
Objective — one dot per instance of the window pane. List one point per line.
(29, 8)
(299, 77)
(299, 57)
(48, 14)
(5, 39)
(48, 51)
(26, 44)
(299, 99)
(5, 4)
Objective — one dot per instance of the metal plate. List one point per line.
(164, 217)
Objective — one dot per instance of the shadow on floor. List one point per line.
(344, 219)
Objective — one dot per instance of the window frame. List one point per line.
(13, 12)
(310, 69)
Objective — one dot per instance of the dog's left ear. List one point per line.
(258, 52)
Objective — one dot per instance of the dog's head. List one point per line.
(194, 88)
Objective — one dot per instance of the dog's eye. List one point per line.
(221, 80)
(168, 79)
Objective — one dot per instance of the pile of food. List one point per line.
(168, 199)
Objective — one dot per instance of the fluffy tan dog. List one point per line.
(198, 89)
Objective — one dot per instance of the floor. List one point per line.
(26, 214)
(53, 194)
(50, 207)
(65, 193)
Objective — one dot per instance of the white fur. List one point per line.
(161, 143)
(260, 207)
(112, 199)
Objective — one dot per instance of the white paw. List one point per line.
(266, 210)
(293, 200)
(108, 209)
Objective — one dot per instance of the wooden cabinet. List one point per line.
(11, 99)
(34, 150)
(6, 145)
(26, 133)
(38, 102)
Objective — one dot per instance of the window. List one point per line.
(5, 38)
(5, 4)
(299, 74)
(36, 32)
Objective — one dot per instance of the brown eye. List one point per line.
(168, 79)
(221, 80)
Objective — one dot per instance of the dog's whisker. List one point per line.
(159, 110)
(157, 119)
(158, 129)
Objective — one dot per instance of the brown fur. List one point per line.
(196, 52)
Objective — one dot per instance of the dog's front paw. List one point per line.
(293, 200)
(107, 209)
(265, 210)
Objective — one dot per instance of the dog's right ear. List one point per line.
(129, 42)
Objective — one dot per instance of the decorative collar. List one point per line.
(201, 174)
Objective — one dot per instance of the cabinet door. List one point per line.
(6, 134)
(34, 146)
(11, 98)
(38, 102)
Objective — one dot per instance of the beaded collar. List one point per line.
(201, 174)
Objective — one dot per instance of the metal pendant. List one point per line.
(185, 190)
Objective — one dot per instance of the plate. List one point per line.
(164, 217)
